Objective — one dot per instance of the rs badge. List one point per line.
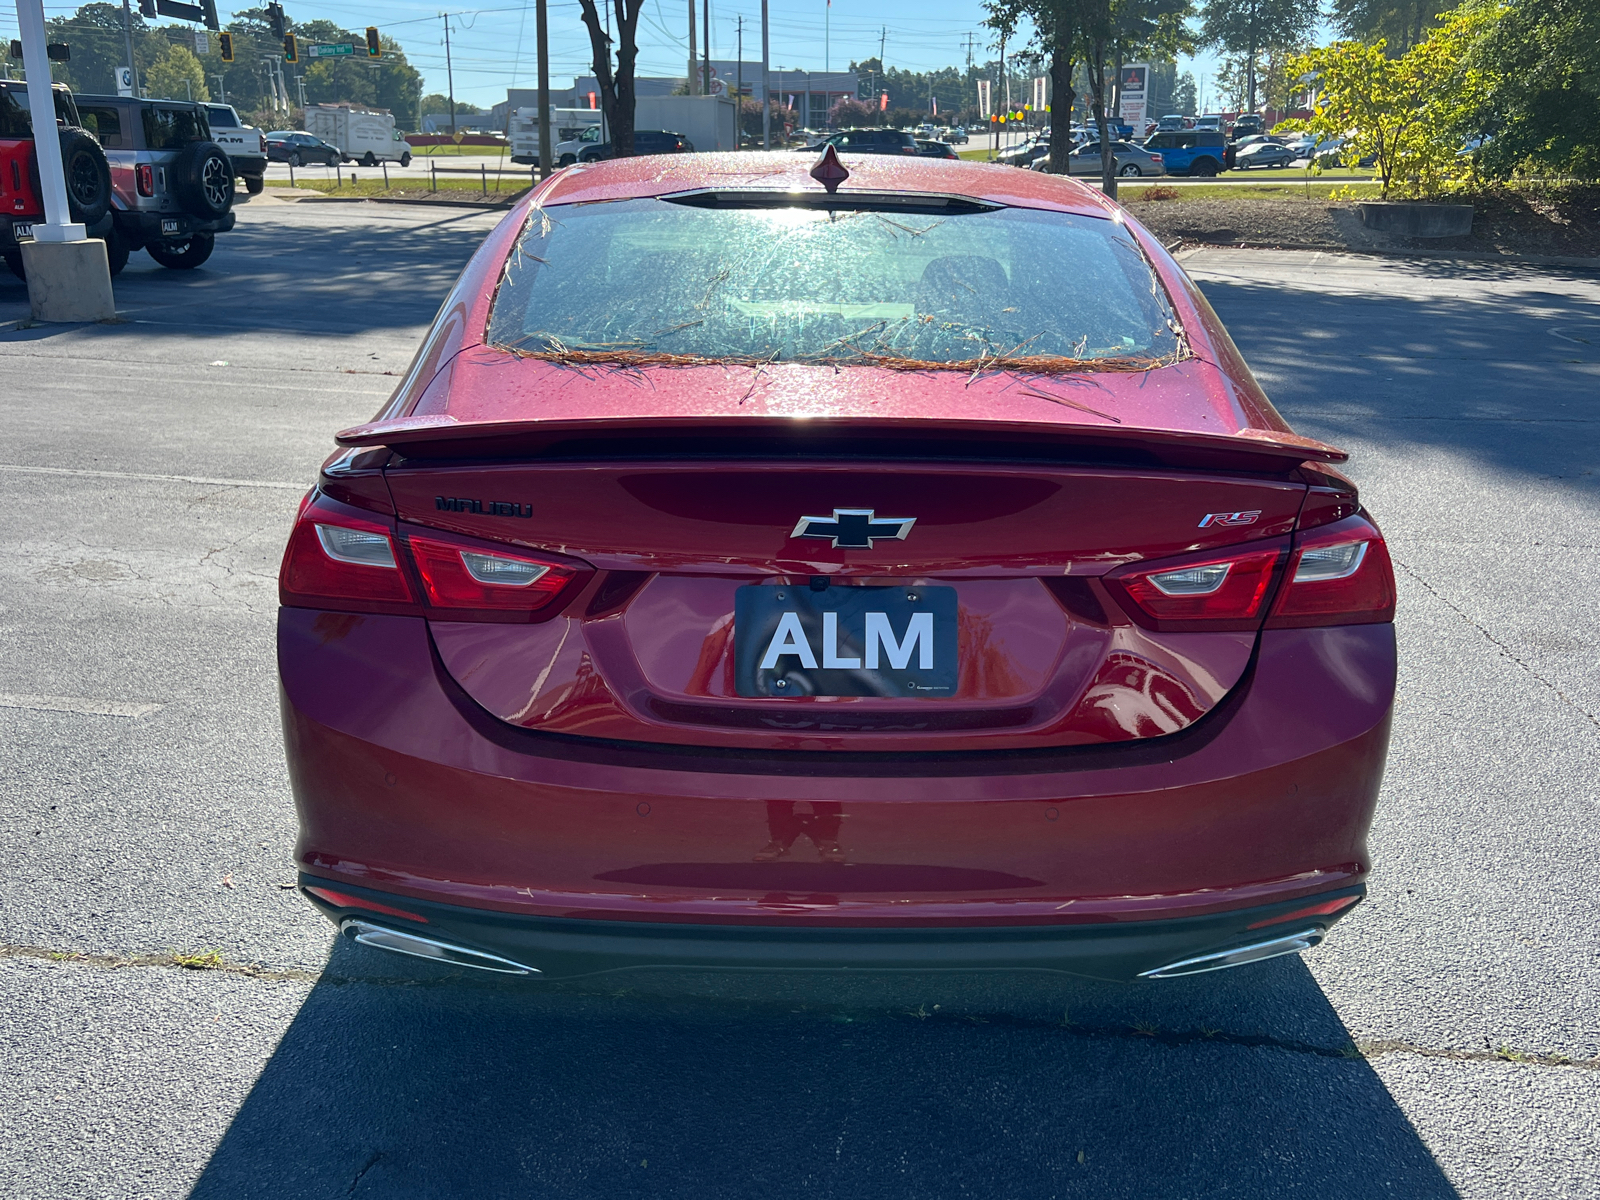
(1233, 518)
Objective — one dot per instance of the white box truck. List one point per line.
(364, 135)
(571, 129)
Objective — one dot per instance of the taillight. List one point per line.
(1340, 574)
(145, 179)
(464, 580)
(342, 558)
(1155, 157)
(263, 143)
(1217, 590)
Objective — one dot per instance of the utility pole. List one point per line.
(766, 95)
(706, 21)
(827, 34)
(542, 25)
(694, 55)
(221, 91)
(449, 72)
(127, 41)
(738, 87)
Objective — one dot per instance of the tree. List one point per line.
(1409, 113)
(1249, 27)
(845, 114)
(616, 86)
(1543, 104)
(1399, 23)
(1056, 25)
(176, 75)
(1184, 97)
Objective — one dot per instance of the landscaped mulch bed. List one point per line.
(1562, 222)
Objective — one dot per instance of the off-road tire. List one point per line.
(255, 184)
(1131, 171)
(88, 176)
(117, 251)
(1206, 168)
(185, 255)
(202, 175)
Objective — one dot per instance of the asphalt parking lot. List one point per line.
(152, 469)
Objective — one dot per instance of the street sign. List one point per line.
(336, 50)
(202, 43)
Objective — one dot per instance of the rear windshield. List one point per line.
(652, 281)
(15, 119)
(173, 128)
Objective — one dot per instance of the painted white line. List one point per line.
(77, 704)
(247, 483)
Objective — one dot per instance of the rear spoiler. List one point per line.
(443, 436)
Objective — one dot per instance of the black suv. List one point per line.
(172, 185)
(873, 141)
(645, 141)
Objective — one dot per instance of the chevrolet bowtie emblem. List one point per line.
(854, 528)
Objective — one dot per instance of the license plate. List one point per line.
(21, 230)
(845, 641)
(170, 225)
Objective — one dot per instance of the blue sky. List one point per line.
(493, 46)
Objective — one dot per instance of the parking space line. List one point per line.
(77, 704)
(245, 483)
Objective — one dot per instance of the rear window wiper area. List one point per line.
(936, 203)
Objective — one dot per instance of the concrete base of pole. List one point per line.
(69, 281)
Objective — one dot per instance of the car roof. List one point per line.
(637, 178)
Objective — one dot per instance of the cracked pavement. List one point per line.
(1443, 1043)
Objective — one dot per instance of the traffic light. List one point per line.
(208, 14)
(274, 16)
(227, 46)
(147, 8)
(374, 50)
(291, 51)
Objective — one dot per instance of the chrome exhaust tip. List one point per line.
(385, 938)
(1291, 943)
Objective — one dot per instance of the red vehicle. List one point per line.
(908, 575)
(87, 174)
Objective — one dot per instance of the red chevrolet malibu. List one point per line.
(886, 564)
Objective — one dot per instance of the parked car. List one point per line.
(1211, 121)
(1247, 123)
(872, 141)
(1190, 151)
(245, 144)
(947, 678)
(645, 141)
(958, 135)
(1132, 161)
(88, 175)
(1026, 152)
(932, 149)
(1262, 154)
(172, 184)
(298, 148)
(1173, 121)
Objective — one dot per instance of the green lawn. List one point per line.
(369, 182)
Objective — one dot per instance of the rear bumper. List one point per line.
(141, 228)
(8, 227)
(557, 948)
(404, 786)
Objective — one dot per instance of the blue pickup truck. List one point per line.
(1190, 151)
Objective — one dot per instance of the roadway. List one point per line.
(153, 467)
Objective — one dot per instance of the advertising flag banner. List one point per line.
(1040, 93)
(984, 108)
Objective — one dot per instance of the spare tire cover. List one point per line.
(202, 177)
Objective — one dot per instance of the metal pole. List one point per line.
(542, 24)
(827, 36)
(766, 94)
(449, 73)
(57, 225)
(127, 40)
(706, 14)
(694, 56)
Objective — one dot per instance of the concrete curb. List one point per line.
(487, 206)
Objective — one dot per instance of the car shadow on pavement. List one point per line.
(345, 274)
(1507, 377)
(405, 1080)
